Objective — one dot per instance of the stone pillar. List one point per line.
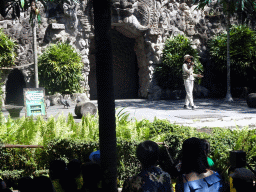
(85, 34)
(154, 47)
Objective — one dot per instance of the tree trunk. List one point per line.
(105, 89)
(228, 95)
(35, 48)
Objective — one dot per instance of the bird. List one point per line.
(78, 100)
(65, 102)
(47, 103)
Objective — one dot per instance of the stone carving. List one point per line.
(26, 34)
(70, 10)
(132, 13)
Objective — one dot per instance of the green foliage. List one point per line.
(65, 139)
(59, 69)
(242, 49)
(8, 48)
(242, 56)
(169, 73)
(8, 53)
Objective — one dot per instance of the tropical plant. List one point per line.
(8, 48)
(8, 53)
(169, 73)
(60, 69)
(230, 8)
(242, 53)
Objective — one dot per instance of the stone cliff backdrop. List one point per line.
(139, 30)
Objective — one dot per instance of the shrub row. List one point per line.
(222, 141)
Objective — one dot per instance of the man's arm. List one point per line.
(186, 70)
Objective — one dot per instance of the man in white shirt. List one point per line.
(188, 76)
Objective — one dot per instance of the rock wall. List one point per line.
(149, 22)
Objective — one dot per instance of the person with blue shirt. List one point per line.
(195, 173)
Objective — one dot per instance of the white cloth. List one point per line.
(188, 73)
(189, 85)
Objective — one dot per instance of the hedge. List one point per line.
(30, 162)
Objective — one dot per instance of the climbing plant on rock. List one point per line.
(60, 69)
(8, 48)
(169, 73)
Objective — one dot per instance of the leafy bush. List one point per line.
(242, 57)
(169, 73)
(8, 48)
(8, 53)
(60, 69)
(68, 149)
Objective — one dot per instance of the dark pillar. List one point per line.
(105, 90)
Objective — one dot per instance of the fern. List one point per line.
(82, 134)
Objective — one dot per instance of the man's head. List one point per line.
(188, 58)
(147, 153)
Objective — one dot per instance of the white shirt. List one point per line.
(188, 73)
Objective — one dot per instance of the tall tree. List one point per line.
(230, 8)
(105, 89)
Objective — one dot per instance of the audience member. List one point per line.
(151, 178)
(3, 187)
(243, 180)
(69, 179)
(43, 184)
(74, 168)
(92, 175)
(74, 171)
(57, 171)
(95, 157)
(207, 151)
(196, 174)
(25, 184)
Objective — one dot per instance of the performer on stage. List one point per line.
(188, 77)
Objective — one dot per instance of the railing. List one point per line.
(21, 146)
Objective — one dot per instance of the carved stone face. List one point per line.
(66, 9)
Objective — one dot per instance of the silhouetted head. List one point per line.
(147, 153)
(74, 168)
(25, 184)
(194, 158)
(57, 168)
(43, 184)
(92, 175)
